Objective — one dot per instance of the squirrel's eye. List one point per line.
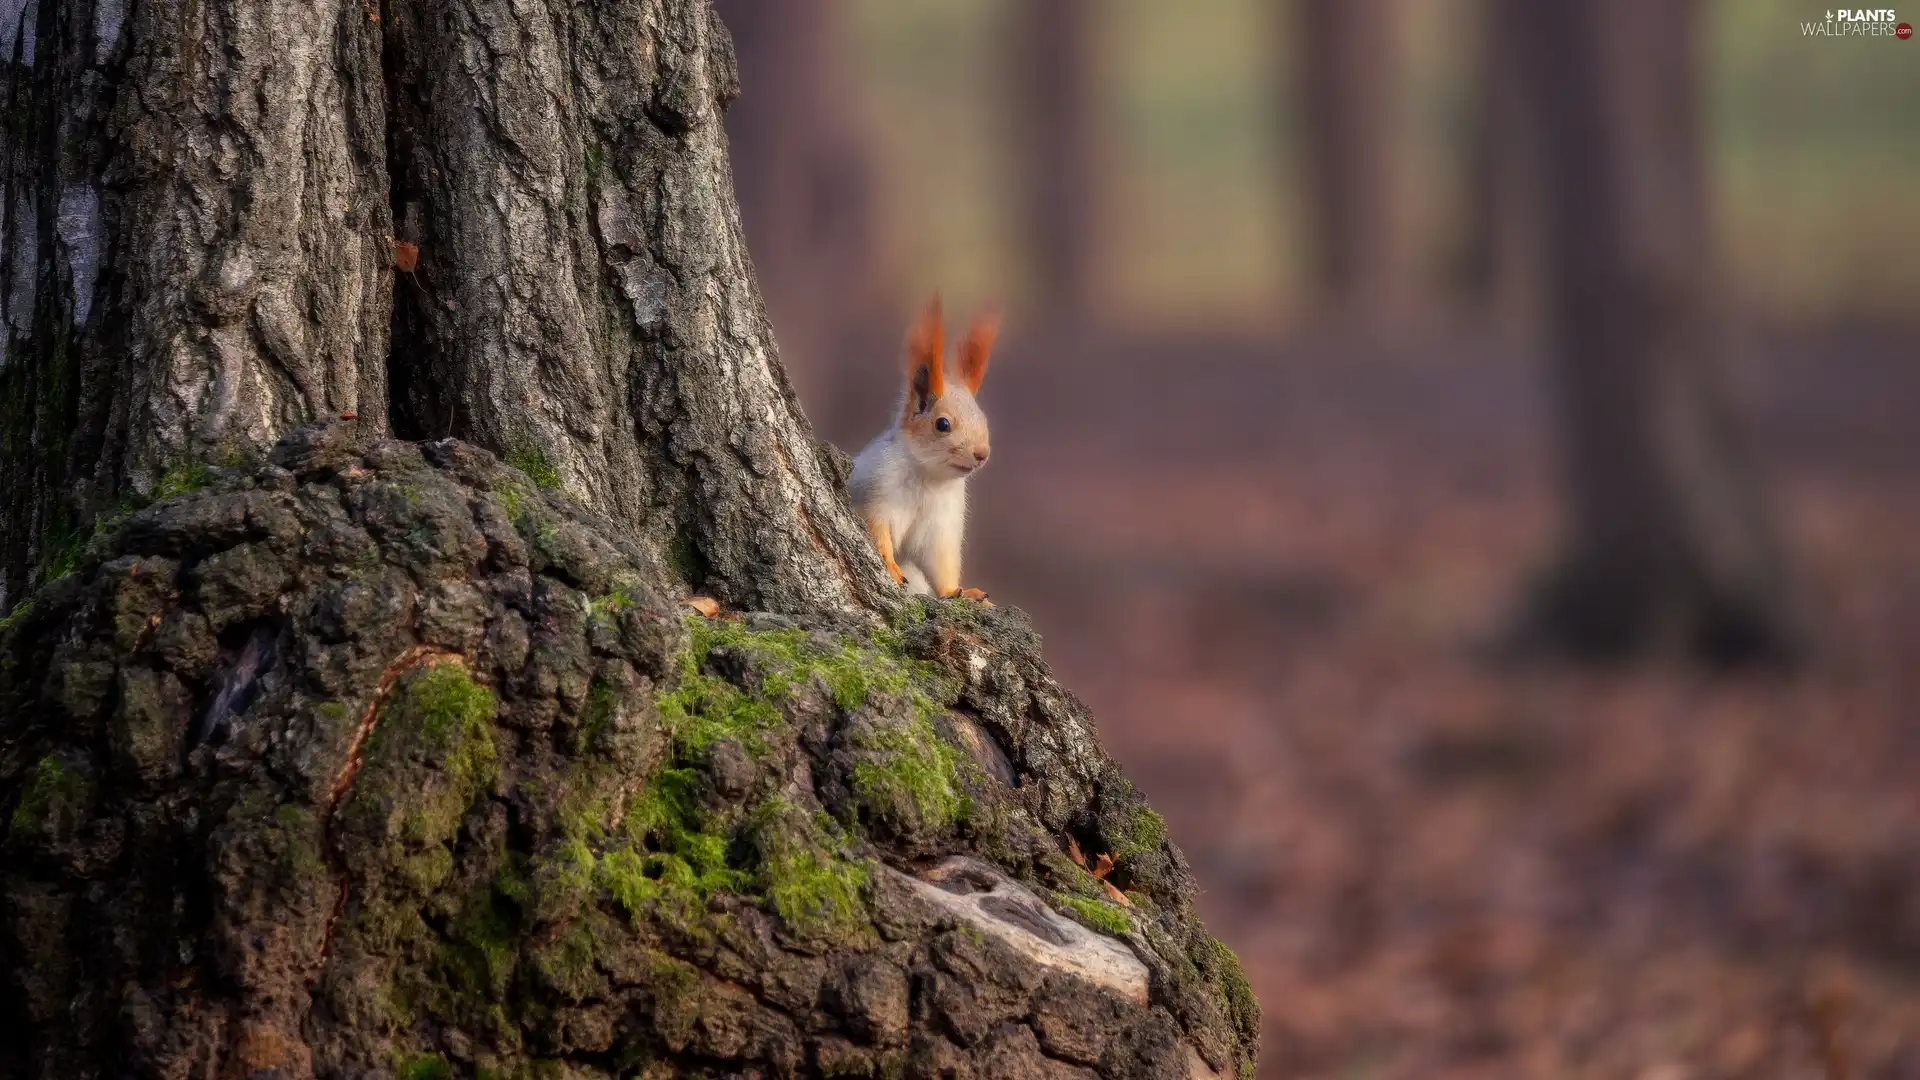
(943, 425)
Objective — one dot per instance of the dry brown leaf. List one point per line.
(1073, 852)
(705, 605)
(1102, 867)
(1118, 896)
(405, 256)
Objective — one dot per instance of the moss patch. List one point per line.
(816, 890)
(1219, 965)
(852, 669)
(453, 717)
(677, 853)
(910, 777)
(182, 479)
(1100, 916)
(603, 609)
(597, 717)
(52, 791)
(423, 1067)
(15, 617)
(705, 709)
(1141, 831)
(300, 832)
(539, 468)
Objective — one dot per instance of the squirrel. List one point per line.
(910, 483)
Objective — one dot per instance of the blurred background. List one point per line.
(1465, 453)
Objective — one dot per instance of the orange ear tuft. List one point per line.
(978, 348)
(926, 349)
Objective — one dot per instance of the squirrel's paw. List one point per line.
(899, 578)
(976, 594)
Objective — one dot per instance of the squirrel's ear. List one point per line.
(978, 349)
(926, 345)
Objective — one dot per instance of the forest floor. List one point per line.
(1273, 570)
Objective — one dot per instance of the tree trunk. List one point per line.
(1503, 248)
(1669, 542)
(231, 179)
(807, 186)
(329, 755)
(196, 246)
(1057, 169)
(1345, 57)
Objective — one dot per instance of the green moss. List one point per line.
(332, 710)
(676, 854)
(481, 953)
(623, 873)
(1218, 964)
(911, 776)
(533, 461)
(515, 498)
(423, 1067)
(52, 789)
(603, 609)
(183, 478)
(704, 709)
(430, 757)
(1099, 915)
(482, 944)
(816, 890)
(674, 999)
(596, 160)
(65, 548)
(597, 717)
(567, 964)
(453, 716)
(1142, 831)
(815, 894)
(301, 858)
(15, 617)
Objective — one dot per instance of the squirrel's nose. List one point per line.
(980, 456)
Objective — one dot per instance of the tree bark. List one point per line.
(1345, 59)
(195, 228)
(1669, 542)
(805, 174)
(1058, 174)
(235, 177)
(326, 755)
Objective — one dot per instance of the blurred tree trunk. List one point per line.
(201, 226)
(1502, 257)
(1056, 165)
(1669, 541)
(805, 176)
(1346, 59)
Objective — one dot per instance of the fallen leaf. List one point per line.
(1073, 852)
(1102, 867)
(405, 256)
(1118, 896)
(705, 605)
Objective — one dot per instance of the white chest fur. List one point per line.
(926, 517)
